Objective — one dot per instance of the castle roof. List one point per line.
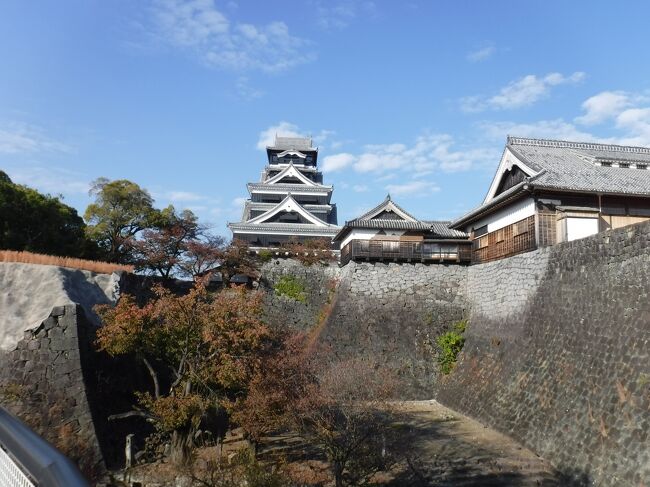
(565, 166)
(293, 143)
(388, 215)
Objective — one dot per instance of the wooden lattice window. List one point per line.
(481, 242)
(499, 235)
(520, 228)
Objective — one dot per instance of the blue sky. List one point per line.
(415, 98)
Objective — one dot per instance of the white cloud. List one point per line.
(340, 14)
(20, 138)
(414, 188)
(245, 91)
(520, 93)
(53, 180)
(481, 54)
(288, 129)
(429, 153)
(337, 162)
(546, 129)
(636, 124)
(283, 129)
(239, 202)
(179, 196)
(603, 106)
(627, 113)
(199, 27)
(360, 188)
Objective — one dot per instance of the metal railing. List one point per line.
(404, 251)
(27, 460)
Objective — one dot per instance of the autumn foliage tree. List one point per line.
(201, 351)
(161, 249)
(344, 408)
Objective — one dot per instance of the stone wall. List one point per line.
(42, 382)
(557, 354)
(557, 350)
(391, 315)
(319, 282)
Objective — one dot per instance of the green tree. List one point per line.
(121, 210)
(35, 222)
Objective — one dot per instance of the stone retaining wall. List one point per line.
(558, 355)
(42, 382)
(391, 315)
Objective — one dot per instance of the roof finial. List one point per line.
(388, 197)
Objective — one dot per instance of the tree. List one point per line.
(205, 347)
(343, 408)
(310, 251)
(121, 210)
(202, 255)
(238, 259)
(285, 377)
(161, 249)
(40, 223)
(348, 414)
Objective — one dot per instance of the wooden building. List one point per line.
(290, 203)
(388, 233)
(548, 191)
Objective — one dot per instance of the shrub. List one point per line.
(451, 343)
(311, 251)
(292, 288)
(265, 255)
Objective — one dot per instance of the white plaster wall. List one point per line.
(507, 216)
(358, 234)
(581, 227)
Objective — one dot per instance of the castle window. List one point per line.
(520, 228)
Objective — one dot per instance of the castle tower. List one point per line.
(290, 203)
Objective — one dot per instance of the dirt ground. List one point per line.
(441, 448)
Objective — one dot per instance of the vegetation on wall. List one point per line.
(450, 344)
(291, 287)
(311, 251)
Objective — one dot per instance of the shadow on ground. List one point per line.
(439, 448)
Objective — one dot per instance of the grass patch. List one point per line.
(72, 263)
(450, 344)
(292, 288)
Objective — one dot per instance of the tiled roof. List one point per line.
(439, 228)
(289, 187)
(576, 166)
(387, 201)
(442, 229)
(285, 228)
(293, 143)
(573, 166)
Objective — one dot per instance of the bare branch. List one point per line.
(129, 414)
(154, 377)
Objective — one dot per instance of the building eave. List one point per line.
(499, 201)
